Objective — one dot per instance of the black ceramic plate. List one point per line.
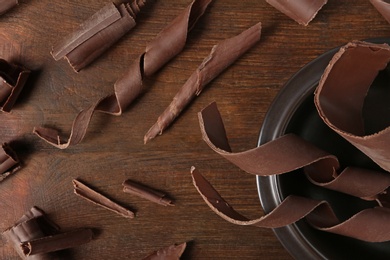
(293, 111)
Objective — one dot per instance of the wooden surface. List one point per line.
(113, 149)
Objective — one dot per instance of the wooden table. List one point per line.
(113, 149)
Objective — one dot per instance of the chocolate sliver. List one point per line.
(172, 252)
(12, 81)
(221, 57)
(319, 214)
(167, 44)
(350, 74)
(383, 8)
(6, 5)
(146, 193)
(56, 242)
(96, 198)
(9, 162)
(302, 11)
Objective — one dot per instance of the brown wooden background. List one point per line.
(113, 149)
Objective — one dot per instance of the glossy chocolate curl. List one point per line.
(148, 193)
(221, 57)
(168, 43)
(172, 252)
(9, 162)
(12, 81)
(383, 8)
(6, 5)
(289, 153)
(96, 198)
(97, 34)
(319, 214)
(302, 11)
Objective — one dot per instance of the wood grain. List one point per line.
(113, 149)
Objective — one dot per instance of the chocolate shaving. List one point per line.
(9, 162)
(302, 11)
(56, 242)
(166, 45)
(96, 198)
(383, 8)
(221, 56)
(146, 193)
(6, 5)
(172, 252)
(12, 81)
(319, 214)
(97, 34)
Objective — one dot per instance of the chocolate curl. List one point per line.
(97, 34)
(319, 214)
(221, 57)
(383, 8)
(339, 99)
(166, 45)
(6, 5)
(56, 242)
(96, 198)
(172, 252)
(146, 193)
(289, 153)
(12, 80)
(9, 162)
(302, 11)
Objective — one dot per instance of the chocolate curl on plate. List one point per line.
(288, 153)
(383, 8)
(172, 252)
(302, 11)
(97, 34)
(168, 43)
(319, 214)
(12, 80)
(221, 57)
(96, 198)
(9, 162)
(6, 5)
(146, 193)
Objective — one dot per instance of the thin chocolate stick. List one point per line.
(221, 57)
(168, 43)
(9, 162)
(146, 193)
(57, 242)
(97, 34)
(96, 198)
(172, 252)
(6, 5)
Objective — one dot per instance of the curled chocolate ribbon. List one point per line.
(339, 99)
(97, 34)
(9, 162)
(221, 56)
(168, 43)
(6, 5)
(302, 11)
(12, 81)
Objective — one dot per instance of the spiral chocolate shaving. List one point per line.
(168, 43)
(97, 34)
(6, 5)
(9, 162)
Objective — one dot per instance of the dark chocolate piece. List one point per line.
(9, 162)
(97, 34)
(221, 57)
(302, 11)
(6, 5)
(12, 81)
(172, 252)
(383, 8)
(168, 43)
(146, 193)
(96, 198)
